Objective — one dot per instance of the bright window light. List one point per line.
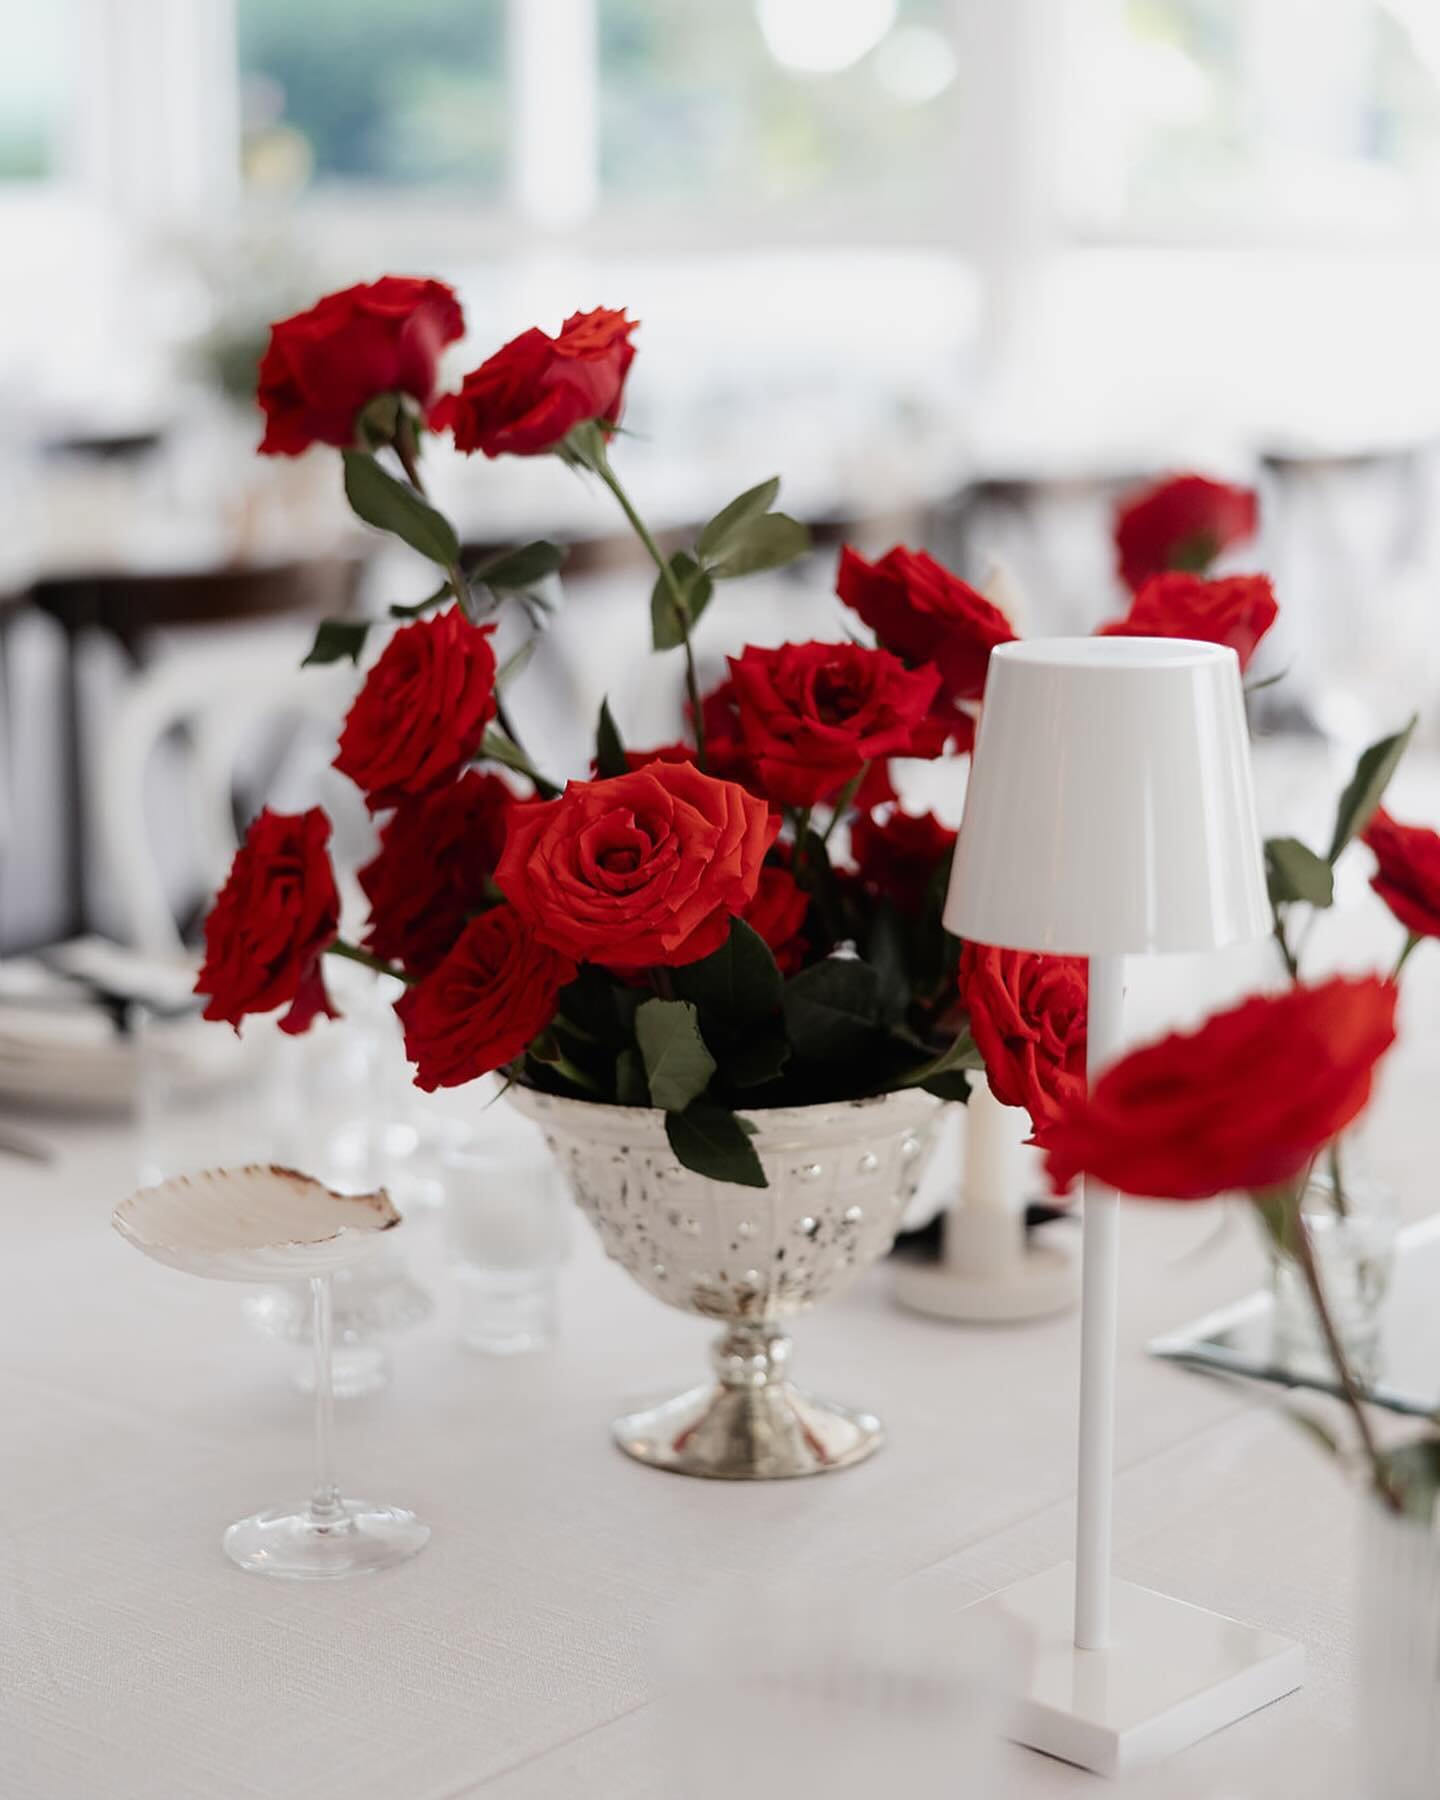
(821, 37)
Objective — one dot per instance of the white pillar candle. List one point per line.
(994, 1151)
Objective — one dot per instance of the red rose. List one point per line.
(923, 613)
(1408, 878)
(644, 869)
(537, 389)
(1237, 610)
(812, 715)
(1243, 1103)
(433, 870)
(1028, 1018)
(777, 913)
(422, 712)
(898, 860)
(273, 920)
(1182, 522)
(483, 1004)
(325, 366)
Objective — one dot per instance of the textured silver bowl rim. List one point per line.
(776, 1127)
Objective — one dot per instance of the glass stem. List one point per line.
(326, 1508)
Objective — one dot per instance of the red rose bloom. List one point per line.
(537, 389)
(923, 613)
(1243, 1103)
(273, 920)
(1182, 522)
(898, 860)
(641, 870)
(777, 913)
(422, 712)
(1237, 611)
(323, 367)
(1408, 878)
(433, 870)
(483, 1004)
(1028, 1017)
(812, 715)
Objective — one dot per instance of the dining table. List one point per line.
(526, 1654)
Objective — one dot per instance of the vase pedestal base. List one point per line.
(1173, 1674)
(771, 1433)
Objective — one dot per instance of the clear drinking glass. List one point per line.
(509, 1219)
(1355, 1253)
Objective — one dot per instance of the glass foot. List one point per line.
(770, 1433)
(298, 1546)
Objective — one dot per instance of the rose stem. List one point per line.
(1411, 940)
(843, 800)
(601, 466)
(352, 953)
(405, 450)
(1305, 1255)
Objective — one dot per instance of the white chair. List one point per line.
(221, 695)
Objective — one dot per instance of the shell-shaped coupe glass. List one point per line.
(253, 1224)
(267, 1224)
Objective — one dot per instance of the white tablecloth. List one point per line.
(515, 1657)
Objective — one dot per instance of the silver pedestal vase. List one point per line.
(840, 1176)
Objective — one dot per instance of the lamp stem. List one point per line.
(1099, 1299)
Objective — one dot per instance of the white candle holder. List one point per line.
(989, 1273)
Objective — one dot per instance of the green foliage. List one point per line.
(832, 1009)
(1293, 872)
(670, 620)
(726, 531)
(739, 983)
(336, 639)
(678, 1067)
(713, 1141)
(1367, 787)
(389, 505)
(609, 749)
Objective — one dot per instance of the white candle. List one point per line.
(994, 1151)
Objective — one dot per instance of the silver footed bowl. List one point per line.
(840, 1177)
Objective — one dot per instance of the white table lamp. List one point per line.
(1110, 812)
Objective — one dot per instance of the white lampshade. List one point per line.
(1110, 807)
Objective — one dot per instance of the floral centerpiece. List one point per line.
(711, 966)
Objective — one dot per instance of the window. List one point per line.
(1254, 118)
(32, 89)
(374, 92)
(762, 101)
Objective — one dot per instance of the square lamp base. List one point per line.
(1173, 1674)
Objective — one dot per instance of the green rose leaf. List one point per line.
(714, 1142)
(677, 1064)
(738, 982)
(441, 594)
(768, 542)
(389, 505)
(515, 571)
(729, 523)
(609, 749)
(755, 1057)
(1367, 787)
(668, 624)
(1294, 872)
(832, 1009)
(337, 638)
(959, 1055)
(630, 1088)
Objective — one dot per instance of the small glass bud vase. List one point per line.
(1354, 1241)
